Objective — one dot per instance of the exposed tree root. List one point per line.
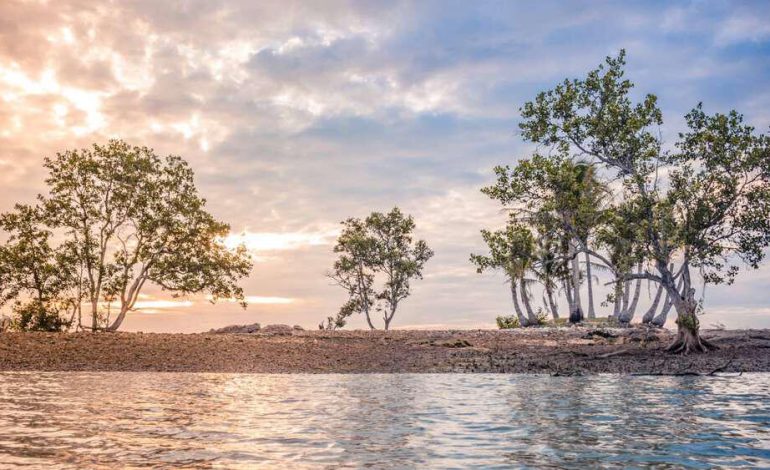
(687, 342)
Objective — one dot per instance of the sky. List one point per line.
(297, 115)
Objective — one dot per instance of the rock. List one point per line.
(453, 343)
(253, 328)
(600, 333)
(297, 328)
(277, 330)
(639, 335)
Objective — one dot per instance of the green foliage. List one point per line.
(506, 322)
(720, 194)
(705, 204)
(381, 245)
(336, 322)
(35, 274)
(40, 315)
(512, 250)
(126, 218)
(594, 117)
(558, 202)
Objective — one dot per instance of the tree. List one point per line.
(398, 257)
(380, 246)
(354, 270)
(131, 218)
(711, 211)
(561, 199)
(513, 251)
(35, 275)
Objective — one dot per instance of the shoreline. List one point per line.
(555, 351)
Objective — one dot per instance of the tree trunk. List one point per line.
(628, 313)
(118, 320)
(626, 296)
(531, 317)
(688, 327)
(516, 307)
(660, 319)
(94, 316)
(591, 311)
(688, 337)
(650, 313)
(576, 315)
(387, 318)
(551, 303)
(618, 295)
(649, 317)
(635, 301)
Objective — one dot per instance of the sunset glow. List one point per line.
(297, 118)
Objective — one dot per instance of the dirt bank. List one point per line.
(562, 351)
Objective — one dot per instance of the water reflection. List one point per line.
(76, 420)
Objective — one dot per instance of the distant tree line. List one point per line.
(600, 197)
(115, 219)
(602, 193)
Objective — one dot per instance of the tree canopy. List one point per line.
(380, 247)
(125, 217)
(702, 205)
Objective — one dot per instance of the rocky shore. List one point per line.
(558, 351)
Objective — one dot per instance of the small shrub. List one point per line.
(38, 316)
(506, 322)
(542, 317)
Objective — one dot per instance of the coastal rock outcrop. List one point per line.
(277, 330)
(253, 328)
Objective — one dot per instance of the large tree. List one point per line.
(704, 203)
(379, 247)
(130, 218)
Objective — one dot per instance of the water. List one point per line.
(120, 420)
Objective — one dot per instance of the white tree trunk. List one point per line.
(527, 306)
(551, 303)
(650, 313)
(576, 315)
(591, 311)
(660, 319)
(628, 314)
(516, 307)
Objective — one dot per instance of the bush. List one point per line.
(507, 322)
(38, 316)
(542, 317)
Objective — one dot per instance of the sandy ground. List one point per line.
(564, 351)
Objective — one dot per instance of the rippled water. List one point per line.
(80, 420)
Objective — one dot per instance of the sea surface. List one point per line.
(187, 420)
